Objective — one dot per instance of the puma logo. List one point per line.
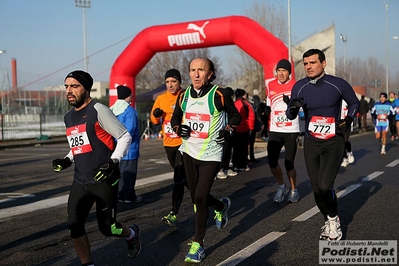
(193, 26)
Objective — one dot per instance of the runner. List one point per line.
(200, 119)
(382, 113)
(283, 132)
(91, 129)
(320, 95)
(162, 111)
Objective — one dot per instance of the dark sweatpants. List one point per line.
(323, 159)
(200, 177)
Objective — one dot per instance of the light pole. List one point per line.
(344, 39)
(1, 70)
(289, 30)
(84, 4)
(386, 45)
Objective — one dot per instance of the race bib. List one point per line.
(199, 124)
(281, 119)
(78, 140)
(322, 127)
(168, 131)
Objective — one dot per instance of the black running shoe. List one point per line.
(134, 245)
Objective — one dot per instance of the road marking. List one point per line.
(14, 196)
(393, 164)
(313, 211)
(57, 201)
(372, 176)
(251, 249)
(31, 207)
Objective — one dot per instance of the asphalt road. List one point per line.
(33, 218)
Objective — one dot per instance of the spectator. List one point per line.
(392, 125)
(264, 113)
(225, 170)
(363, 110)
(241, 135)
(127, 115)
(252, 135)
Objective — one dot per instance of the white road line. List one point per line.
(306, 215)
(313, 211)
(372, 176)
(31, 207)
(251, 249)
(393, 164)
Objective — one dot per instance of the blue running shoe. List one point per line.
(222, 216)
(196, 253)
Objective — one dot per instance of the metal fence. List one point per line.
(28, 126)
(43, 126)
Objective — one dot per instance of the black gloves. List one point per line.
(183, 131)
(345, 124)
(157, 113)
(286, 99)
(106, 170)
(61, 164)
(223, 138)
(296, 103)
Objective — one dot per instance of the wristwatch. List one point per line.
(116, 161)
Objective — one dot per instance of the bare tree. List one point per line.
(363, 73)
(247, 71)
(153, 74)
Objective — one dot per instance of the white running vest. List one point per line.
(205, 121)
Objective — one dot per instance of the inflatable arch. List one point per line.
(239, 30)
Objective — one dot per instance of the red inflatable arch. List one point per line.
(241, 31)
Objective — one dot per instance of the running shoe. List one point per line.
(335, 229)
(221, 174)
(293, 196)
(134, 245)
(279, 197)
(345, 162)
(325, 231)
(222, 216)
(170, 219)
(383, 152)
(231, 173)
(246, 169)
(137, 200)
(351, 158)
(196, 253)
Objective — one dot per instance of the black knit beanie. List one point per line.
(84, 78)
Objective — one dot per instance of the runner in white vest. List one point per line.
(199, 118)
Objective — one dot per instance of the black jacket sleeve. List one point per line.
(177, 116)
(227, 104)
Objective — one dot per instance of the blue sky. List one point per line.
(46, 36)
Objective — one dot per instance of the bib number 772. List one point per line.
(322, 127)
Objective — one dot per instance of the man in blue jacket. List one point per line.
(320, 95)
(127, 115)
